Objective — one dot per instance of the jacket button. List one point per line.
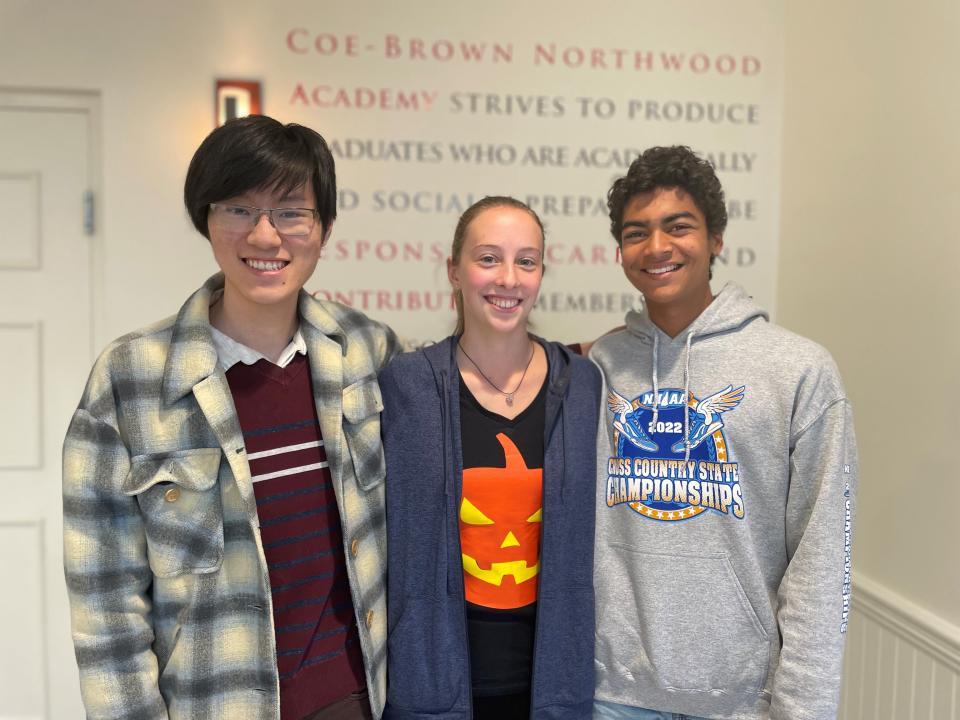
(369, 619)
(172, 495)
(354, 547)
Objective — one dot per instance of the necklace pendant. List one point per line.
(510, 399)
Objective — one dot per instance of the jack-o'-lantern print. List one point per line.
(501, 514)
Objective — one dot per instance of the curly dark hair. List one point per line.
(676, 166)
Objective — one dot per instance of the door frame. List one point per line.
(87, 103)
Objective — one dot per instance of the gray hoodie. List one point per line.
(722, 564)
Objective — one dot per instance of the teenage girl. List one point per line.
(490, 442)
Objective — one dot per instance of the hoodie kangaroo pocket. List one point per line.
(679, 622)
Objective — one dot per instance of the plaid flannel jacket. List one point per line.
(169, 592)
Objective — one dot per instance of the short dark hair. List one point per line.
(676, 166)
(257, 152)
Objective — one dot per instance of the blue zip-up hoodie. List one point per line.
(428, 660)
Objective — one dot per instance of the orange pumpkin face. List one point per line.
(500, 518)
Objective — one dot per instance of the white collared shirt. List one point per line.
(230, 352)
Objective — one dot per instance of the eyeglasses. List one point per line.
(244, 218)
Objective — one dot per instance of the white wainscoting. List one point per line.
(902, 662)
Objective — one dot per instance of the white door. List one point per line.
(45, 355)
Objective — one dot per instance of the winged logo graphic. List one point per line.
(706, 418)
(627, 422)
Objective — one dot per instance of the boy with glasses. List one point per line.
(726, 474)
(222, 482)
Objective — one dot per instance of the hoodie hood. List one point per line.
(731, 310)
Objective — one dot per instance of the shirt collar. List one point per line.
(230, 352)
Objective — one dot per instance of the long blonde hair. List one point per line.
(463, 224)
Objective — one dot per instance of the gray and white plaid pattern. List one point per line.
(168, 584)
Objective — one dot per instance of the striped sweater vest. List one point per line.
(318, 649)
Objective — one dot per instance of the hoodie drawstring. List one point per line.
(686, 398)
(449, 483)
(656, 387)
(563, 452)
(686, 390)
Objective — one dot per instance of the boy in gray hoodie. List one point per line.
(726, 475)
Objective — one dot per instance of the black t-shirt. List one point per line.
(500, 521)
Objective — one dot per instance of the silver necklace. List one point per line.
(507, 395)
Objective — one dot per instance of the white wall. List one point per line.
(870, 256)
(869, 253)
(148, 130)
(154, 65)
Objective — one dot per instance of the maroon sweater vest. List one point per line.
(318, 649)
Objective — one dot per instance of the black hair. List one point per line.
(257, 152)
(676, 166)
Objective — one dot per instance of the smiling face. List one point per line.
(501, 515)
(666, 251)
(262, 267)
(499, 270)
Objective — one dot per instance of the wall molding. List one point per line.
(925, 630)
(36, 342)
